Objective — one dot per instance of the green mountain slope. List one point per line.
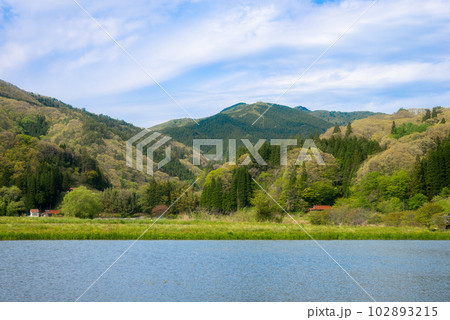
(89, 148)
(236, 122)
(342, 118)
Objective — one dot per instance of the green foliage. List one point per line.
(426, 214)
(236, 123)
(81, 203)
(10, 201)
(417, 201)
(348, 130)
(427, 115)
(266, 208)
(434, 112)
(120, 201)
(157, 193)
(341, 118)
(386, 193)
(175, 169)
(237, 196)
(432, 173)
(320, 192)
(408, 128)
(319, 217)
(34, 126)
(391, 205)
(393, 128)
(350, 153)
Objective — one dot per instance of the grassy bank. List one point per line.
(13, 228)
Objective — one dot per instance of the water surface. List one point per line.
(225, 270)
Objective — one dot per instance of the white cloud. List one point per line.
(250, 51)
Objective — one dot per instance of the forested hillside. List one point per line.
(342, 118)
(392, 169)
(47, 147)
(236, 122)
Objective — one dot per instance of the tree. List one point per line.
(416, 201)
(393, 127)
(241, 190)
(349, 130)
(434, 113)
(425, 213)
(432, 173)
(337, 129)
(398, 185)
(443, 120)
(427, 115)
(320, 192)
(266, 208)
(81, 203)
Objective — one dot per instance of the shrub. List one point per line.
(445, 192)
(159, 210)
(425, 213)
(438, 220)
(375, 218)
(393, 219)
(266, 208)
(319, 217)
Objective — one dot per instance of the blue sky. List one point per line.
(212, 54)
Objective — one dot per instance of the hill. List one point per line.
(235, 122)
(399, 152)
(339, 117)
(37, 130)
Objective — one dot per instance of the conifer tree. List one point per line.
(427, 115)
(337, 129)
(434, 113)
(349, 130)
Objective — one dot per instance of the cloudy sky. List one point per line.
(209, 55)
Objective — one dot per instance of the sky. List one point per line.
(208, 55)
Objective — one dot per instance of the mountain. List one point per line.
(86, 148)
(303, 109)
(236, 122)
(414, 137)
(341, 118)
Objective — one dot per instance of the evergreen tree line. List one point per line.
(217, 197)
(350, 152)
(432, 172)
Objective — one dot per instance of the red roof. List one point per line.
(34, 210)
(53, 211)
(320, 207)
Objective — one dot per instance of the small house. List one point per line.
(35, 213)
(319, 208)
(51, 213)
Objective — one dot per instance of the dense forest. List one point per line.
(392, 169)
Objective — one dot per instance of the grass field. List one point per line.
(23, 228)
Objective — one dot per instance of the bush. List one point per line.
(319, 217)
(375, 218)
(425, 213)
(393, 219)
(445, 192)
(438, 220)
(266, 208)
